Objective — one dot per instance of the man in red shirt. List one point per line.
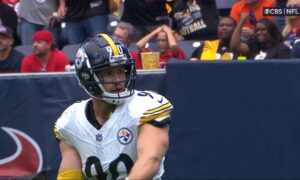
(45, 57)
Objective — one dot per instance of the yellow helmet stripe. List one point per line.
(111, 44)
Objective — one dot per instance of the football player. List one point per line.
(120, 133)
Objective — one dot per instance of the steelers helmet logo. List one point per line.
(79, 59)
(125, 136)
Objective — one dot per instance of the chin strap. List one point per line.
(114, 101)
(118, 98)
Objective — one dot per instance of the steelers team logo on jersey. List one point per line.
(125, 136)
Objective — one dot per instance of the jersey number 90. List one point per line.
(93, 160)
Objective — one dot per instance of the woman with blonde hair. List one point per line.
(291, 30)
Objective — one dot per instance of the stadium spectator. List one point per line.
(267, 43)
(145, 15)
(218, 49)
(255, 10)
(291, 30)
(10, 59)
(125, 32)
(9, 18)
(121, 130)
(166, 43)
(85, 18)
(195, 19)
(45, 58)
(35, 16)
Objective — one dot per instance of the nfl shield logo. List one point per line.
(99, 137)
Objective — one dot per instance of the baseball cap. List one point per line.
(43, 35)
(6, 31)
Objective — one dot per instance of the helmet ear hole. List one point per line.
(100, 53)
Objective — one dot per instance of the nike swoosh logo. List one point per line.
(160, 101)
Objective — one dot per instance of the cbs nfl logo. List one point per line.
(286, 11)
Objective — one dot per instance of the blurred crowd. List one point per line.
(243, 32)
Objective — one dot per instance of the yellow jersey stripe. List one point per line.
(156, 116)
(111, 44)
(160, 108)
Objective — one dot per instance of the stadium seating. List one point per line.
(25, 49)
(150, 45)
(188, 47)
(70, 50)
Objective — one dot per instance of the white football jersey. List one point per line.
(109, 153)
